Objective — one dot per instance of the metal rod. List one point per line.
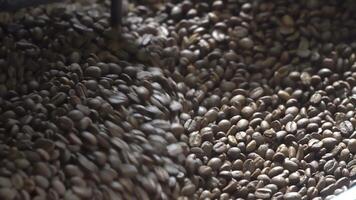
(116, 12)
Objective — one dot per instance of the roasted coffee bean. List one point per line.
(215, 163)
(251, 146)
(279, 181)
(242, 124)
(292, 195)
(352, 145)
(7, 193)
(195, 139)
(220, 147)
(328, 190)
(346, 127)
(188, 190)
(263, 193)
(247, 112)
(5, 182)
(290, 165)
(128, 170)
(329, 142)
(291, 127)
(93, 71)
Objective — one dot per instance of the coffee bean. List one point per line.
(256, 93)
(93, 71)
(195, 139)
(275, 171)
(242, 124)
(247, 112)
(328, 190)
(230, 186)
(279, 181)
(215, 163)
(352, 145)
(17, 181)
(5, 182)
(87, 164)
(315, 98)
(65, 123)
(7, 193)
(58, 186)
(227, 86)
(292, 195)
(178, 107)
(233, 152)
(224, 125)
(290, 165)
(211, 115)
(346, 127)
(82, 192)
(329, 142)
(41, 182)
(220, 147)
(75, 115)
(59, 98)
(246, 43)
(174, 150)
(188, 190)
(251, 146)
(263, 193)
(128, 170)
(84, 123)
(118, 99)
(291, 127)
(330, 166)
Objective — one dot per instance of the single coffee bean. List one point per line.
(246, 43)
(128, 170)
(215, 163)
(220, 147)
(7, 193)
(5, 182)
(346, 127)
(93, 71)
(328, 190)
(290, 165)
(291, 127)
(65, 123)
(263, 193)
(230, 186)
(251, 146)
(195, 139)
(205, 171)
(242, 124)
(279, 181)
(329, 142)
(352, 145)
(330, 166)
(275, 171)
(315, 98)
(59, 98)
(75, 115)
(292, 195)
(247, 112)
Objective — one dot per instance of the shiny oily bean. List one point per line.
(292, 196)
(291, 127)
(263, 193)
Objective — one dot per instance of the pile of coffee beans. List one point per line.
(203, 99)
